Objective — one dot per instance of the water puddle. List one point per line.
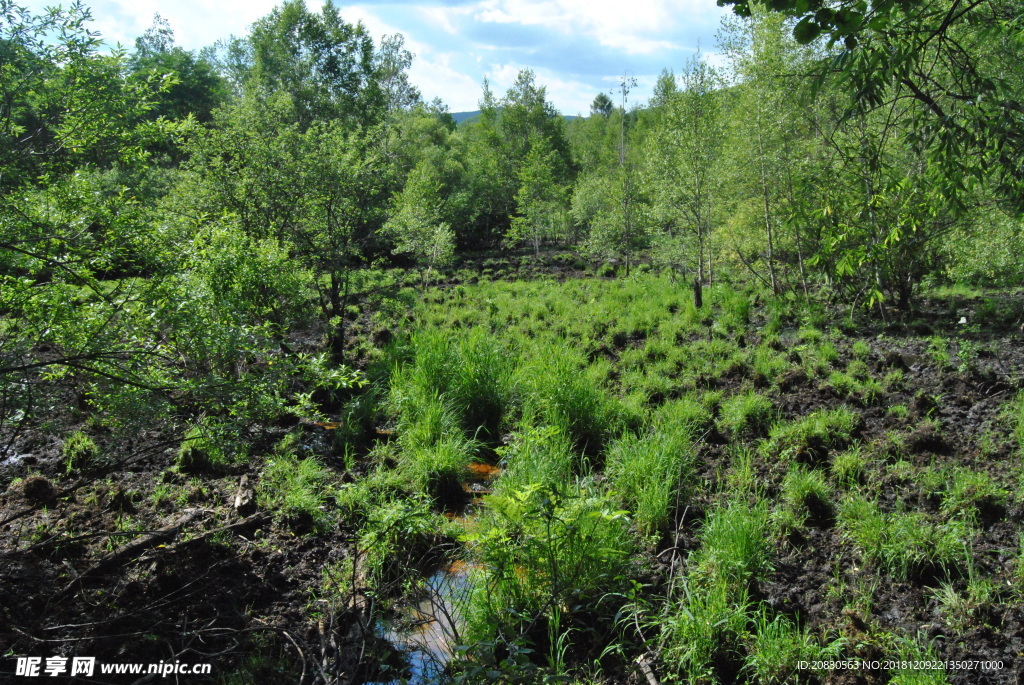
(425, 633)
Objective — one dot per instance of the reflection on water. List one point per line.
(426, 632)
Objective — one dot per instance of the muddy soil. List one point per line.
(97, 565)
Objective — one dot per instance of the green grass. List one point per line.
(906, 544)
(399, 539)
(647, 471)
(296, 489)
(850, 466)
(735, 546)
(203, 448)
(745, 414)
(80, 453)
(703, 628)
(813, 436)
(970, 494)
(807, 492)
(778, 646)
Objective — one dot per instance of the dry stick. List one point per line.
(134, 549)
(645, 665)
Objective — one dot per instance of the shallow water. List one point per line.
(426, 632)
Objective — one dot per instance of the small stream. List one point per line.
(426, 632)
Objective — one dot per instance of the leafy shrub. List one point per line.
(399, 535)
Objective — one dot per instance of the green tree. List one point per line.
(956, 61)
(196, 89)
(540, 202)
(602, 105)
(321, 189)
(415, 223)
(682, 171)
(67, 114)
(325, 64)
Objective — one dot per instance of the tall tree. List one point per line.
(326, 64)
(682, 164)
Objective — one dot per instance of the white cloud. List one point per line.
(641, 27)
(436, 76)
(569, 96)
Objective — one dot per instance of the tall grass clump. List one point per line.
(735, 545)
(80, 452)
(701, 630)
(296, 490)
(537, 455)
(808, 493)
(778, 646)
(744, 414)
(735, 308)
(648, 470)
(1017, 418)
(810, 438)
(399, 535)
(911, 651)
(907, 545)
(471, 373)
(556, 392)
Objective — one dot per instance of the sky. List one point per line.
(577, 48)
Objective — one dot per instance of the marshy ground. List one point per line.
(720, 492)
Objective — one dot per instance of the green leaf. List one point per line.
(806, 31)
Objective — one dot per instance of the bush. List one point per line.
(539, 550)
(399, 535)
(203, 448)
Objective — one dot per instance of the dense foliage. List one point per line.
(189, 240)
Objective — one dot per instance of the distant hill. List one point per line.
(462, 118)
